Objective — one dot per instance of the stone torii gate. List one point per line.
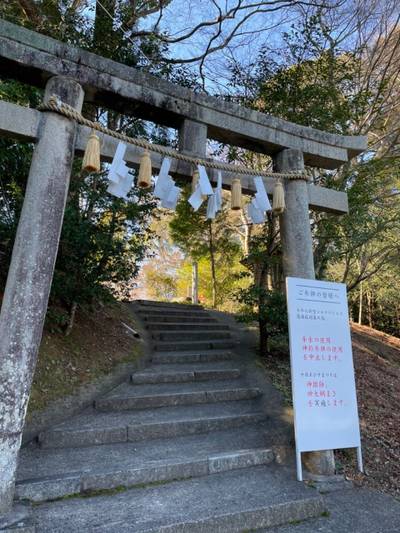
(75, 75)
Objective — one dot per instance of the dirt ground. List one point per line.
(377, 369)
(97, 343)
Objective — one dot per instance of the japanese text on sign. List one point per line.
(324, 395)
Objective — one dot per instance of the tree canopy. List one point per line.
(331, 65)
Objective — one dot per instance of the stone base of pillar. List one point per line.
(16, 518)
(322, 463)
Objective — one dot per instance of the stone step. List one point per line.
(181, 373)
(178, 346)
(54, 473)
(183, 318)
(152, 311)
(167, 305)
(93, 428)
(191, 356)
(191, 335)
(127, 397)
(191, 326)
(229, 502)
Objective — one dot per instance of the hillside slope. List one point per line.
(98, 342)
(377, 367)
(377, 371)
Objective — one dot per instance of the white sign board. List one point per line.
(323, 386)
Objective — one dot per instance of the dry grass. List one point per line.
(377, 367)
(97, 343)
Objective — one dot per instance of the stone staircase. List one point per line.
(184, 446)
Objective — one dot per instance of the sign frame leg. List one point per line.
(360, 460)
(299, 466)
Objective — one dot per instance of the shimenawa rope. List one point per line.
(55, 105)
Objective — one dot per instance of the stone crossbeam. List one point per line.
(34, 58)
(23, 123)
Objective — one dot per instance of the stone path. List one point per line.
(185, 446)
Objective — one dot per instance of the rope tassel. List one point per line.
(236, 194)
(278, 204)
(145, 170)
(91, 158)
(195, 180)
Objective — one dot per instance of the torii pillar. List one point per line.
(30, 274)
(298, 259)
(193, 141)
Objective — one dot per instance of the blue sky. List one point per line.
(181, 15)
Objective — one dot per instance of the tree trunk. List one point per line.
(369, 308)
(195, 283)
(248, 228)
(262, 320)
(360, 304)
(71, 319)
(213, 270)
(270, 278)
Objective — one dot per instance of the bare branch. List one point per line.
(30, 10)
(248, 10)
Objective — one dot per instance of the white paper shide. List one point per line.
(260, 203)
(165, 188)
(203, 189)
(121, 180)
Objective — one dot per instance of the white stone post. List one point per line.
(298, 259)
(30, 274)
(193, 141)
(195, 282)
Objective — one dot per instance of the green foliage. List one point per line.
(56, 319)
(214, 244)
(312, 81)
(381, 300)
(229, 277)
(306, 83)
(267, 307)
(161, 286)
(372, 223)
(104, 239)
(189, 229)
